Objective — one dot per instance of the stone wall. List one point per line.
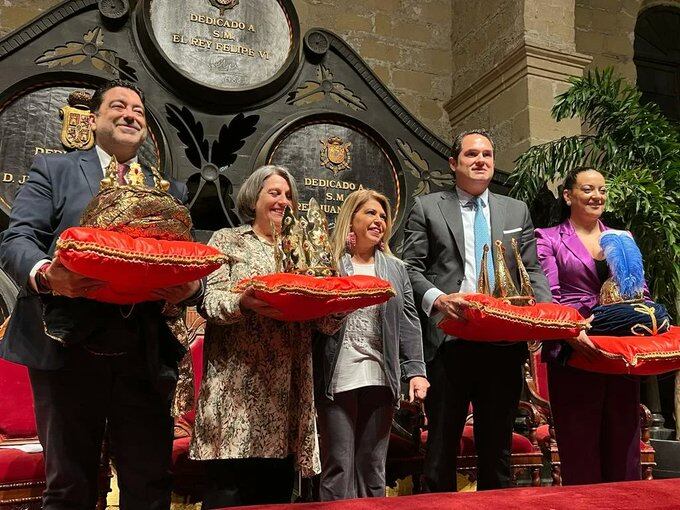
(508, 67)
(481, 37)
(605, 29)
(406, 42)
(14, 13)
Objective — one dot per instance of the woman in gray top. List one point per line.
(358, 370)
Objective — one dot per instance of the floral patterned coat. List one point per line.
(256, 397)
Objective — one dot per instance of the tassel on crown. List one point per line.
(505, 288)
(303, 246)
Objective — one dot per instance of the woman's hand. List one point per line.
(417, 388)
(250, 302)
(583, 345)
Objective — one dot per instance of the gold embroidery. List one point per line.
(523, 319)
(69, 244)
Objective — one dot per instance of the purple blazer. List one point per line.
(571, 274)
(569, 267)
(570, 271)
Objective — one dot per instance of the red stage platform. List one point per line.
(654, 494)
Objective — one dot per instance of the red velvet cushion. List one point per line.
(133, 267)
(540, 375)
(543, 435)
(16, 402)
(18, 466)
(491, 320)
(520, 444)
(638, 355)
(467, 441)
(645, 447)
(180, 449)
(301, 297)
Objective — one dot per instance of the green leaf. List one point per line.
(638, 151)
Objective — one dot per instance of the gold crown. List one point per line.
(505, 288)
(136, 209)
(610, 294)
(303, 246)
(134, 176)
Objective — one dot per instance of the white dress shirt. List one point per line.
(467, 211)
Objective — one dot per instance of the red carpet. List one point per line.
(655, 494)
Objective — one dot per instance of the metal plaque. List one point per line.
(31, 124)
(223, 44)
(330, 160)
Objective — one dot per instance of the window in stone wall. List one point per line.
(657, 58)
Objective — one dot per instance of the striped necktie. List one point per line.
(482, 237)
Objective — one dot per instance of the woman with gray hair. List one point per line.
(255, 412)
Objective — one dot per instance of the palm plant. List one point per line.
(637, 149)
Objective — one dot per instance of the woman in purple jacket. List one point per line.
(596, 416)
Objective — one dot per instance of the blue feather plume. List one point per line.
(625, 262)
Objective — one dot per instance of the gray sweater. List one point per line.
(402, 339)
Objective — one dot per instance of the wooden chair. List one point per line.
(22, 474)
(536, 378)
(188, 476)
(408, 438)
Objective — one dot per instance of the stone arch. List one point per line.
(657, 55)
(606, 33)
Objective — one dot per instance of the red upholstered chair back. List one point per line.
(540, 375)
(17, 420)
(197, 361)
(536, 376)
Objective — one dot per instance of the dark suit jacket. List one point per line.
(434, 250)
(58, 189)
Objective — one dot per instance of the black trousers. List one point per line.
(489, 377)
(253, 481)
(74, 405)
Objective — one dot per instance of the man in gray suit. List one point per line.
(444, 235)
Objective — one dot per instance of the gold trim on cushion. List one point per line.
(83, 246)
(649, 356)
(308, 291)
(524, 319)
(652, 356)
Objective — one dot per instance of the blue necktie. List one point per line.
(482, 237)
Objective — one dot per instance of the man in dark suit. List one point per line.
(120, 367)
(444, 236)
